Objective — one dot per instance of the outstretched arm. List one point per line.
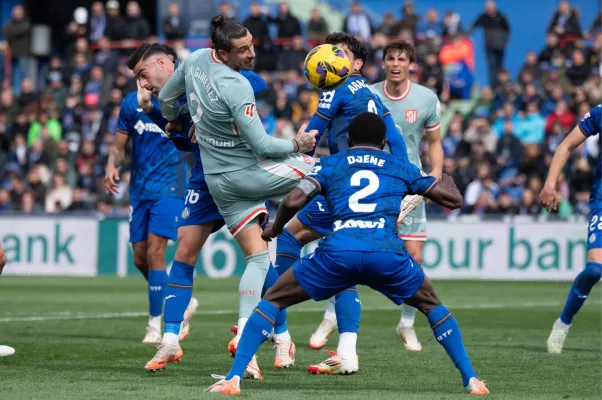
(168, 96)
(446, 194)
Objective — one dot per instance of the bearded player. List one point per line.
(415, 109)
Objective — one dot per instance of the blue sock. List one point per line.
(288, 251)
(447, 332)
(281, 325)
(348, 309)
(582, 285)
(177, 295)
(156, 286)
(256, 332)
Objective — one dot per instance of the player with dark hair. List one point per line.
(363, 188)
(243, 165)
(590, 125)
(416, 110)
(335, 110)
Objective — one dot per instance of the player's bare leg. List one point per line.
(156, 278)
(447, 332)
(5, 351)
(179, 303)
(140, 257)
(285, 293)
(577, 296)
(405, 328)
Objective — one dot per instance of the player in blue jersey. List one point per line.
(199, 216)
(589, 126)
(156, 191)
(335, 111)
(363, 188)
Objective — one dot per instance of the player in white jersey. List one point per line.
(415, 109)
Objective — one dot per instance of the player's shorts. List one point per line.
(594, 231)
(324, 274)
(159, 217)
(316, 215)
(199, 208)
(240, 195)
(413, 227)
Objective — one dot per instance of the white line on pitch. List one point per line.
(74, 316)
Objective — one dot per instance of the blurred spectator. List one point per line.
(482, 192)
(479, 130)
(8, 106)
(565, 22)
(431, 26)
(60, 196)
(28, 204)
(17, 32)
(174, 27)
(556, 94)
(317, 28)
(257, 25)
(37, 155)
(596, 26)
(451, 24)
(562, 114)
(529, 204)
(105, 57)
(579, 71)
(98, 21)
(115, 28)
(457, 59)
(292, 58)
(409, 20)
(226, 10)
(552, 49)
(58, 91)
(432, 73)
(136, 25)
(358, 23)
(288, 25)
(451, 139)
(28, 95)
(497, 34)
(509, 148)
(530, 64)
(387, 25)
(53, 131)
(5, 203)
(79, 203)
(531, 128)
(78, 27)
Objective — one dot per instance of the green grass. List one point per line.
(75, 340)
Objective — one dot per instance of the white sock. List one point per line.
(330, 313)
(408, 315)
(155, 322)
(241, 325)
(561, 324)
(170, 338)
(282, 337)
(347, 343)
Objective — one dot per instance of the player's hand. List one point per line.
(173, 126)
(112, 180)
(144, 97)
(549, 198)
(306, 141)
(269, 233)
(436, 175)
(446, 182)
(191, 134)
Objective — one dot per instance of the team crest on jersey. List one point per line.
(411, 115)
(185, 213)
(250, 110)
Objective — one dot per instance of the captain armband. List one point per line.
(309, 187)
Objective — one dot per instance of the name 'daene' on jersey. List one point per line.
(140, 127)
(338, 225)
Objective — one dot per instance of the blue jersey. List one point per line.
(363, 188)
(338, 107)
(157, 167)
(591, 125)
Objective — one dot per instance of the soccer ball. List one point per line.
(327, 67)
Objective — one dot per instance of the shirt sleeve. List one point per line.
(156, 116)
(591, 122)
(318, 175)
(257, 82)
(418, 181)
(168, 97)
(434, 118)
(124, 121)
(329, 104)
(239, 98)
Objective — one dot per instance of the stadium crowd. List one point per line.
(56, 130)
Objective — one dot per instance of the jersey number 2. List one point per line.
(373, 185)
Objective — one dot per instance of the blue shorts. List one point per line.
(324, 274)
(594, 231)
(159, 217)
(199, 208)
(316, 215)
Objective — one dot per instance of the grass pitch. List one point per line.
(79, 338)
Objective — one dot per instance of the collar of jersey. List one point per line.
(366, 147)
(356, 74)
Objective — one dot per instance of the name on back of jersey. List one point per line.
(366, 159)
(202, 76)
(357, 85)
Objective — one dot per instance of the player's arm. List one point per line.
(445, 193)
(330, 102)
(257, 82)
(433, 137)
(168, 96)
(241, 101)
(116, 156)
(397, 145)
(548, 196)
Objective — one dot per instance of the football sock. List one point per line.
(177, 296)
(348, 310)
(347, 345)
(408, 315)
(256, 332)
(156, 285)
(251, 283)
(582, 286)
(447, 332)
(281, 327)
(330, 313)
(288, 251)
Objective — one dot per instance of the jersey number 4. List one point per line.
(373, 185)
